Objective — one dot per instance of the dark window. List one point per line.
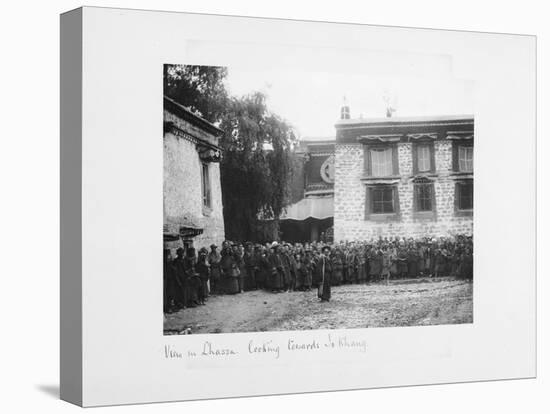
(424, 196)
(206, 199)
(465, 196)
(382, 200)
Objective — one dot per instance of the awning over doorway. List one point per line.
(314, 207)
(185, 227)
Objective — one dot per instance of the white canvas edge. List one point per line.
(123, 349)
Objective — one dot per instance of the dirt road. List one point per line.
(401, 303)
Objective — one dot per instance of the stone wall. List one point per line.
(183, 190)
(350, 221)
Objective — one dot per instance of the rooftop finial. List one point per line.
(344, 111)
(390, 107)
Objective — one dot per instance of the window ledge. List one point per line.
(464, 213)
(383, 217)
(393, 179)
(457, 175)
(424, 215)
(424, 174)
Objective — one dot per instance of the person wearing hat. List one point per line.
(250, 265)
(214, 258)
(192, 278)
(181, 293)
(276, 277)
(258, 273)
(229, 282)
(203, 270)
(324, 271)
(307, 269)
(170, 284)
(402, 265)
(287, 276)
(337, 266)
(264, 268)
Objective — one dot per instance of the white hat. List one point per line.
(274, 244)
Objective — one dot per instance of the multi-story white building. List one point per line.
(403, 176)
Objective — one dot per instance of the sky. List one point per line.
(311, 101)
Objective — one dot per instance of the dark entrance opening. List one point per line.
(310, 229)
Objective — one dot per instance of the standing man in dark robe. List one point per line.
(214, 258)
(286, 267)
(238, 253)
(324, 270)
(276, 277)
(193, 280)
(262, 274)
(250, 265)
(337, 267)
(293, 268)
(203, 270)
(170, 285)
(229, 272)
(181, 293)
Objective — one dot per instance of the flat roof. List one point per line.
(397, 120)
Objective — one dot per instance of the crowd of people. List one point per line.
(190, 277)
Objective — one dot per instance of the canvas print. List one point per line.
(301, 200)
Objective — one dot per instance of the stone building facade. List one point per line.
(403, 177)
(193, 210)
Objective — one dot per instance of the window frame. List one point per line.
(416, 201)
(369, 203)
(206, 187)
(368, 159)
(467, 161)
(463, 211)
(415, 153)
(456, 150)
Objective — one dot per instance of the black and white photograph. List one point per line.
(298, 200)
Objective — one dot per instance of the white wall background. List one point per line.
(29, 167)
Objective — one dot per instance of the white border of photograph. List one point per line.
(113, 349)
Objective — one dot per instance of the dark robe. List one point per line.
(251, 264)
(276, 277)
(262, 276)
(230, 274)
(324, 270)
(293, 271)
(375, 262)
(170, 285)
(193, 281)
(285, 258)
(181, 294)
(402, 265)
(215, 271)
(239, 260)
(307, 270)
(412, 259)
(203, 269)
(337, 269)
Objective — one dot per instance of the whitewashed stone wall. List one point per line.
(183, 191)
(350, 197)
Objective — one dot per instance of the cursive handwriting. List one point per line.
(264, 348)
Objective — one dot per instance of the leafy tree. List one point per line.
(256, 167)
(199, 88)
